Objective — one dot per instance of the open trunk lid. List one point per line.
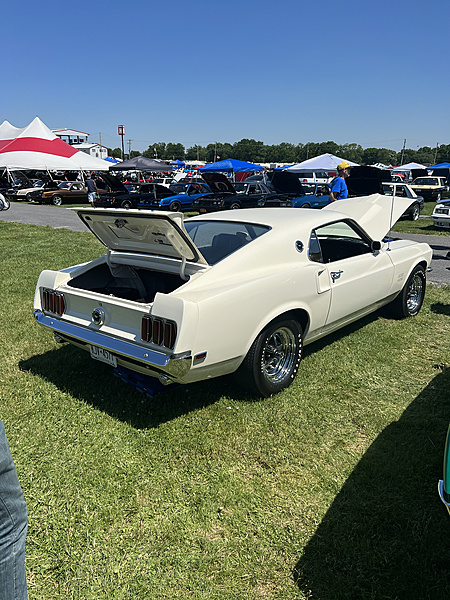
(146, 232)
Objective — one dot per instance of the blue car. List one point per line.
(317, 196)
(179, 202)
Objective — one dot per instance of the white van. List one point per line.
(313, 176)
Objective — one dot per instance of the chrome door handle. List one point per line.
(335, 275)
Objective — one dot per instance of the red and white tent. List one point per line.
(37, 147)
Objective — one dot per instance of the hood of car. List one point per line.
(364, 181)
(218, 183)
(376, 213)
(286, 183)
(144, 232)
(114, 183)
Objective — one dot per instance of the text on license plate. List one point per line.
(203, 210)
(103, 355)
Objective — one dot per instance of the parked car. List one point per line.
(231, 292)
(404, 190)
(182, 199)
(444, 483)
(431, 188)
(313, 176)
(120, 195)
(273, 190)
(371, 180)
(66, 191)
(441, 214)
(317, 196)
(23, 193)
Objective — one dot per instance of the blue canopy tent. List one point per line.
(177, 164)
(230, 165)
(445, 165)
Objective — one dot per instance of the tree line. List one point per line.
(257, 152)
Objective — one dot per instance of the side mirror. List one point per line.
(376, 246)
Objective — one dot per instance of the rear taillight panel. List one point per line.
(53, 302)
(160, 332)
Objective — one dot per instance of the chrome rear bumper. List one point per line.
(175, 366)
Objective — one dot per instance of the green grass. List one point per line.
(422, 225)
(325, 491)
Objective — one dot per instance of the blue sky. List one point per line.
(372, 73)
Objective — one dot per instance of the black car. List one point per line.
(226, 195)
(122, 195)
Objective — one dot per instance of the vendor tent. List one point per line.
(409, 167)
(230, 165)
(37, 147)
(141, 163)
(324, 162)
(445, 165)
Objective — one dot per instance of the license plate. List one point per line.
(203, 210)
(103, 356)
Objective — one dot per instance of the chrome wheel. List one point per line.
(278, 355)
(414, 297)
(273, 359)
(57, 200)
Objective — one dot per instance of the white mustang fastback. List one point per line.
(236, 291)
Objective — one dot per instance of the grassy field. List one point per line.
(326, 491)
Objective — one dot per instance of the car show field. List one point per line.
(201, 488)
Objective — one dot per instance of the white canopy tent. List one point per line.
(37, 147)
(409, 166)
(324, 162)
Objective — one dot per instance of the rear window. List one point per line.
(218, 239)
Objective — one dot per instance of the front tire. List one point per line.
(57, 200)
(127, 204)
(234, 206)
(175, 206)
(273, 359)
(409, 302)
(306, 205)
(438, 197)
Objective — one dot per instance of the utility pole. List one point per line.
(215, 151)
(403, 152)
(129, 148)
(100, 138)
(436, 151)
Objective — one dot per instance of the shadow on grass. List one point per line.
(74, 372)
(387, 535)
(440, 309)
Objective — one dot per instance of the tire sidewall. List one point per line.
(417, 270)
(263, 385)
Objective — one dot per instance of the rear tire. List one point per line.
(409, 302)
(415, 212)
(273, 359)
(57, 200)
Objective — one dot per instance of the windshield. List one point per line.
(217, 239)
(426, 181)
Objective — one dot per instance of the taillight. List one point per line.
(158, 331)
(53, 302)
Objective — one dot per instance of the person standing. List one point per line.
(339, 189)
(92, 189)
(13, 527)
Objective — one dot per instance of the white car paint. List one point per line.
(220, 307)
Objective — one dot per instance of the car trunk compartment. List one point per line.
(129, 283)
